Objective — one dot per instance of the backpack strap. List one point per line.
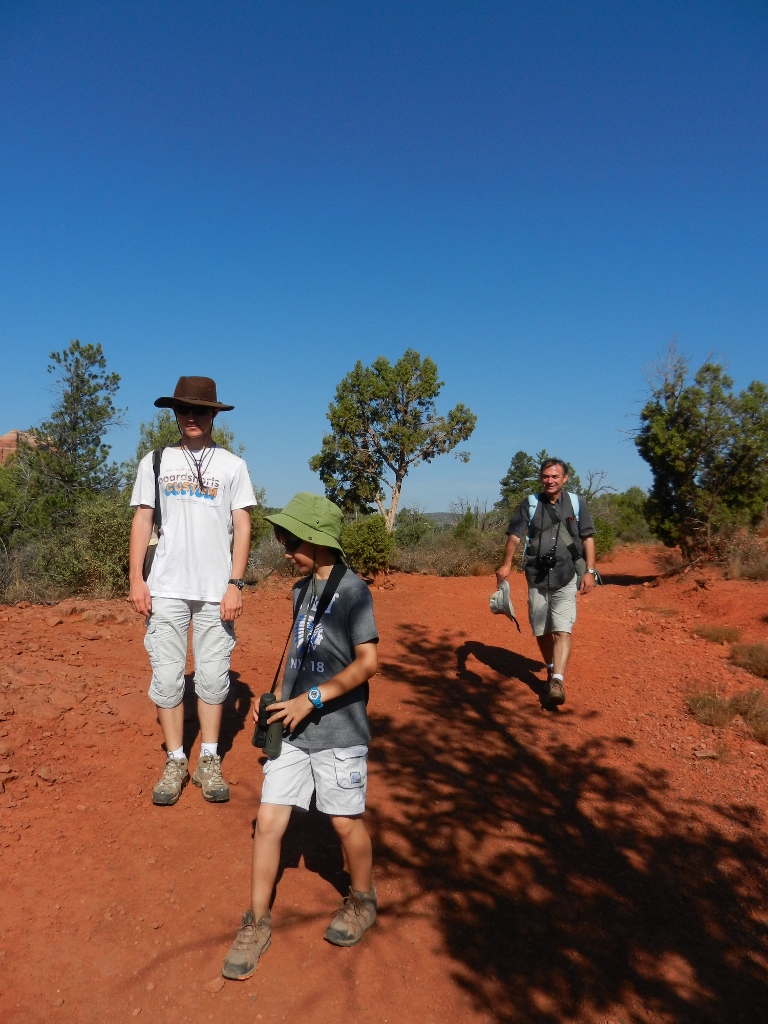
(157, 517)
(533, 501)
(575, 505)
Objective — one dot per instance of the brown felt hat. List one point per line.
(194, 391)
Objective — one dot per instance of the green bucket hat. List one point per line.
(311, 518)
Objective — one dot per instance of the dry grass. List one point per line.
(746, 558)
(718, 634)
(752, 657)
(711, 708)
(644, 628)
(668, 560)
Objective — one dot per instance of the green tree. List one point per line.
(520, 480)
(708, 451)
(69, 447)
(65, 458)
(383, 423)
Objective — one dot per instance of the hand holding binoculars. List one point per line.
(268, 737)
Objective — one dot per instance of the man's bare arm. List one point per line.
(141, 531)
(232, 602)
(588, 581)
(509, 553)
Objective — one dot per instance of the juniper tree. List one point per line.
(383, 423)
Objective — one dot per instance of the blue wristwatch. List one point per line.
(315, 697)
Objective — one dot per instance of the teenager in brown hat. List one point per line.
(196, 577)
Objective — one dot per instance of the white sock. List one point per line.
(209, 748)
(556, 675)
(176, 755)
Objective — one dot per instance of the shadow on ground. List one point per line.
(564, 886)
(235, 717)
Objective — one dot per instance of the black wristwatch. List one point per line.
(238, 583)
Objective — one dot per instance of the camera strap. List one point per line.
(572, 549)
(332, 585)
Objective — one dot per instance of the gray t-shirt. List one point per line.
(347, 622)
(542, 533)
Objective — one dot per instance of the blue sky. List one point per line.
(537, 195)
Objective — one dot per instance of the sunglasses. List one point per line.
(191, 410)
(291, 544)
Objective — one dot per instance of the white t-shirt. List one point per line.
(193, 560)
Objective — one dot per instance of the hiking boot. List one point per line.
(175, 777)
(209, 778)
(250, 942)
(555, 693)
(355, 917)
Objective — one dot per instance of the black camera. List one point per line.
(548, 561)
(268, 737)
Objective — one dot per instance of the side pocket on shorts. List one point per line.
(351, 766)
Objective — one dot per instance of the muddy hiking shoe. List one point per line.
(356, 916)
(250, 942)
(209, 778)
(555, 693)
(174, 779)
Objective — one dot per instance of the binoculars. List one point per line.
(268, 737)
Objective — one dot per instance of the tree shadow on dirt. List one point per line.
(236, 708)
(311, 835)
(565, 886)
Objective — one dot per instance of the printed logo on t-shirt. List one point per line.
(187, 487)
(306, 630)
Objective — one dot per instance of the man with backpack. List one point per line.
(558, 560)
(197, 496)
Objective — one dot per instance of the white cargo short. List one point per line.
(166, 644)
(338, 777)
(552, 611)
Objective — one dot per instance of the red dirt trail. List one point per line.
(583, 865)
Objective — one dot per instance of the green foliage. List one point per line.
(65, 458)
(521, 479)
(367, 544)
(87, 556)
(383, 423)
(69, 446)
(605, 537)
(410, 526)
(162, 432)
(708, 451)
(466, 527)
(627, 514)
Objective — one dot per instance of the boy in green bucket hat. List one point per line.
(323, 710)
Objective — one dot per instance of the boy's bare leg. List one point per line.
(210, 720)
(172, 724)
(271, 823)
(358, 852)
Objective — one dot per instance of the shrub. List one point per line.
(440, 553)
(605, 537)
(710, 708)
(410, 526)
(267, 558)
(718, 634)
(367, 544)
(745, 557)
(752, 657)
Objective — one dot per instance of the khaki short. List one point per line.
(552, 611)
(339, 778)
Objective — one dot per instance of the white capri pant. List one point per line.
(338, 776)
(552, 611)
(166, 644)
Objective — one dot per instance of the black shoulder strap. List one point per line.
(157, 517)
(337, 572)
